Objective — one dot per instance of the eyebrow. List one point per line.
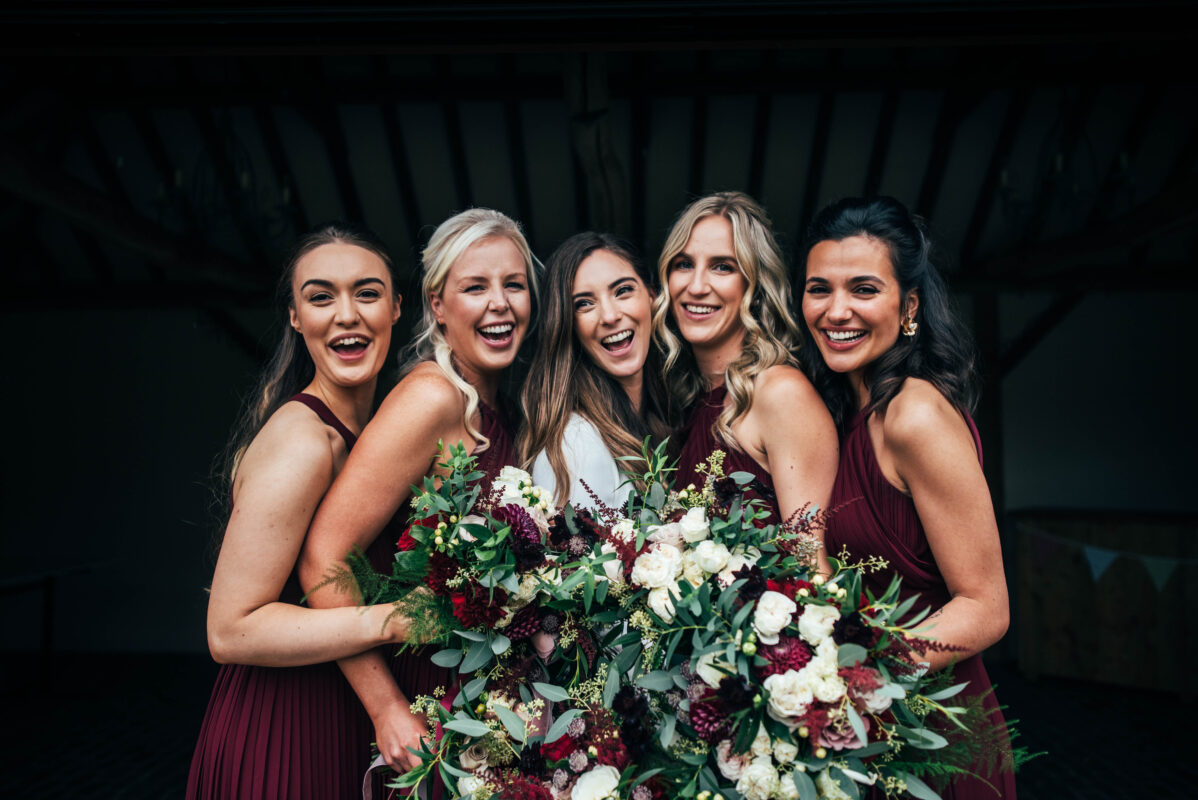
(687, 255)
(329, 284)
(612, 285)
(858, 279)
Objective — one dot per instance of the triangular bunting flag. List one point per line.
(1159, 568)
(1100, 558)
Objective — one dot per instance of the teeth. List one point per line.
(698, 309)
(498, 329)
(616, 337)
(349, 341)
(844, 336)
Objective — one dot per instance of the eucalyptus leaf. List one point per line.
(611, 687)
(551, 692)
(856, 723)
(457, 772)
(805, 785)
(447, 658)
(558, 728)
(944, 694)
(476, 657)
(917, 788)
(500, 644)
(657, 681)
(511, 720)
(667, 730)
(473, 636)
(850, 654)
(474, 688)
(470, 727)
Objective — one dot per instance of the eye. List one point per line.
(473, 288)
(582, 304)
(320, 297)
(516, 286)
(625, 289)
(723, 267)
(680, 264)
(816, 288)
(370, 294)
(866, 289)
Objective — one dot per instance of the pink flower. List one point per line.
(839, 733)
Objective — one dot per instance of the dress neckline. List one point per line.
(327, 417)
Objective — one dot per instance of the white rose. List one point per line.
(508, 482)
(785, 752)
(758, 781)
(670, 533)
(773, 613)
(740, 557)
(712, 556)
(731, 764)
(786, 788)
(614, 569)
(816, 623)
(661, 601)
(694, 526)
(761, 743)
(597, 784)
(828, 689)
(707, 668)
(789, 697)
(624, 530)
(691, 570)
(468, 784)
(658, 566)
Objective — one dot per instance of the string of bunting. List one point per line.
(1160, 568)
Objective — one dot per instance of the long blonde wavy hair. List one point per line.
(449, 241)
(771, 335)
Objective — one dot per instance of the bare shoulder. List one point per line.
(425, 392)
(919, 413)
(783, 387)
(294, 440)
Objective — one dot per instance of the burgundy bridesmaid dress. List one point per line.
(283, 732)
(699, 441)
(872, 517)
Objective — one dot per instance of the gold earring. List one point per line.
(909, 326)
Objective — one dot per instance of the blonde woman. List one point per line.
(477, 292)
(730, 342)
(589, 395)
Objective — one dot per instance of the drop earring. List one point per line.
(909, 326)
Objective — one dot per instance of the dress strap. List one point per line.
(327, 416)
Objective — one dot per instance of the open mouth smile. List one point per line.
(349, 347)
(498, 335)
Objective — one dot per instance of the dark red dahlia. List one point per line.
(514, 786)
(708, 718)
(559, 749)
(790, 652)
(755, 582)
(475, 606)
(851, 629)
(735, 693)
(526, 622)
(526, 538)
(441, 568)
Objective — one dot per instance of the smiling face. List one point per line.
(484, 307)
(612, 317)
(344, 307)
(853, 304)
(706, 289)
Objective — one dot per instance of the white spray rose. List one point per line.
(597, 784)
(828, 689)
(468, 784)
(658, 566)
(773, 613)
(761, 743)
(731, 764)
(785, 752)
(789, 697)
(758, 781)
(509, 482)
(816, 623)
(694, 526)
(661, 601)
(786, 787)
(670, 533)
(740, 557)
(614, 569)
(707, 668)
(711, 556)
(624, 530)
(691, 570)
(828, 788)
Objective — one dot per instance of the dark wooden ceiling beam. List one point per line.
(1141, 118)
(819, 150)
(151, 295)
(953, 109)
(1013, 117)
(453, 134)
(514, 124)
(401, 168)
(166, 170)
(884, 131)
(1034, 333)
(32, 180)
(763, 107)
(276, 153)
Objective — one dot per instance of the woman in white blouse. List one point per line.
(589, 397)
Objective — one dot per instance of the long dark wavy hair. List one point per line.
(562, 378)
(290, 367)
(941, 351)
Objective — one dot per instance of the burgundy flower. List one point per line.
(526, 539)
(475, 606)
(709, 719)
(850, 628)
(441, 568)
(790, 652)
(735, 693)
(755, 583)
(526, 622)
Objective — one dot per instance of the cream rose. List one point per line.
(731, 764)
(473, 757)
(670, 533)
(661, 601)
(761, 743)
(785, 752)
(509, 483)
(773, 613)
(599, 783)
(790, 697)
(614, 569)
(468, 785)
(624, 530)
(658, 566)
(739, 558)
(758, 781)
(711, 556)
(691, 570)
(786, 787)
(694, 526)
(816, 623)
(707, 668)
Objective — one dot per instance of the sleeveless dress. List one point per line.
(283, 732)
(872, 517)
(699, 441)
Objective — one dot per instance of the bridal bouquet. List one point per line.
(685, 649)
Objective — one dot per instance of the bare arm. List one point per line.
(932, 450)
(283, 475)
(394, 452)
(791, 424)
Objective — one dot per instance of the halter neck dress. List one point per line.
(283, 732)
(872, 517)
(699, 441)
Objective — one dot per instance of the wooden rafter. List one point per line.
(453, 134)
(1013, 117)
(516, 150)
(883, 132)
(819, 149)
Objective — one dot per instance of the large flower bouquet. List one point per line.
(681, 647)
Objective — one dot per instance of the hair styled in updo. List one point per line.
(941, 350)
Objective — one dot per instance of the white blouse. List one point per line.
(587, 459)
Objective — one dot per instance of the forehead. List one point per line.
(494, 255)
(849, 258)
(339, 261)
(713, 232)
(601, 268)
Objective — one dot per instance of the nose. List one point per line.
(609, 311)
(496, 299)
(839, 310)
(346, 312)
(697, 285)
